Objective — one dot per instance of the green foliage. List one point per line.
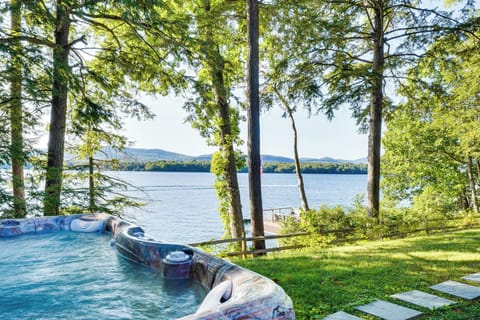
(431, 137)
(5, 195)
(102, 78)
(218, 167)
(318, 222)
(109, 193)
(179, 166)
(214, 52)
(94, 123)
(224, 199)
(268, 167)
(312, 167)
(327, 55)
(317, 54)
(330, 225)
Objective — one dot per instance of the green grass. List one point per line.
(322, 281)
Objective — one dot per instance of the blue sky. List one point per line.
(318, 137)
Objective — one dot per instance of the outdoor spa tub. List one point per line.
(230, 292)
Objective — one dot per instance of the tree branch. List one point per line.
(32, 40)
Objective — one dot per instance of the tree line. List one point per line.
(83, 64)
(267, 167)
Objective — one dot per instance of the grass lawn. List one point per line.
(322, 281)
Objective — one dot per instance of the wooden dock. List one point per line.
(273, 218)
(271, 227)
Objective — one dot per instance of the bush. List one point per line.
(318, 222)
(352, 223)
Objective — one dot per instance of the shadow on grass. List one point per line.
(323, 281)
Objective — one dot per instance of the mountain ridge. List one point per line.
(156, 154)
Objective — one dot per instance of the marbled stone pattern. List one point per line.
(15, 227)
(253, 296)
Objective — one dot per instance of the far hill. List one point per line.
(145, 155)
(149, 155)
(331, 160)
(270, 158)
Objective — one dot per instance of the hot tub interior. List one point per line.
(153, 279)
(68, 275)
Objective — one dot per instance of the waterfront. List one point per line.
(182, 206)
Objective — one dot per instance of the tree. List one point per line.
(433, 139)
(120, 31)
(282, 85)
(361, 49)
(124, 52)
(288, 112)
(215, 47)
(253, 119)
(16, 113)
(5, 197)
(24, 95)
(58, 115)
(95, 118)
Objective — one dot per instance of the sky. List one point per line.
(317, 137)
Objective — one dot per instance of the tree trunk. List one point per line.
(298, 169)
(91, 185)
(478, 170)
(473, 188)
(56, 139)
(376, 105)
(16, 115)
(228, 153)
(254, 160)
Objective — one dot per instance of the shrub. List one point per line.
(353, 223)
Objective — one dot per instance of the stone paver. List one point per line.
(423, 299)
(388, 311)
(473, 277)
(458, 289)
(342, 316)
(391, 311)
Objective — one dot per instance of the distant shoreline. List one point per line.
(244, 171)
(268, 167)
(204, 166)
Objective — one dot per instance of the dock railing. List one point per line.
(278, 215)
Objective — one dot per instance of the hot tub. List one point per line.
(231, 292)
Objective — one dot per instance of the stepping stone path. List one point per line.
(390, 311)
(342, 316)
(473, 277)
(423, 299)
(458, 289)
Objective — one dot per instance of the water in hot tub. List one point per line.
(69, 275)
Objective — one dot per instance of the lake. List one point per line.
(182, 206)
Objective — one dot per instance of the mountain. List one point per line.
(270, 158)
(147, 155)
(331, 160)
(324, 160)
(360, 161)
(204, 157)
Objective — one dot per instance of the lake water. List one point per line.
(182, 206)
